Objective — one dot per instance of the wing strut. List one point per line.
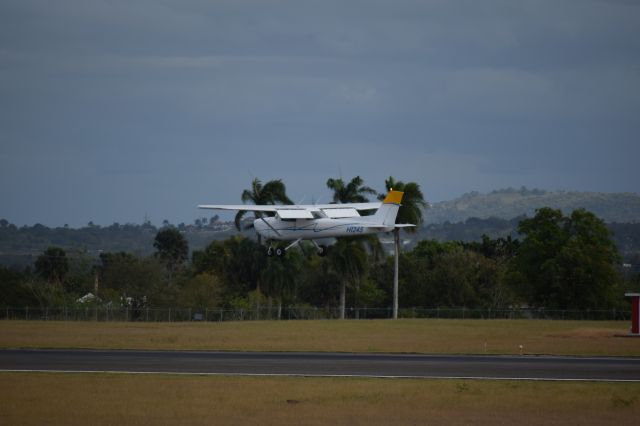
(269, 225)
(296, 242)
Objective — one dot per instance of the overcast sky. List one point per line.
(110, 110)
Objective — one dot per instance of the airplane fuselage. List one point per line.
(311, 229)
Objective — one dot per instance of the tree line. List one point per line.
(559, 262)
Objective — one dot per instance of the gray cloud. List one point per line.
(113, 109)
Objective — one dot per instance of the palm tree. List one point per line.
(349, 260)
(272, 192)
(413, 204)
(349, 256)
(353, 192)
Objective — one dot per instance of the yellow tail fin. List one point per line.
(393, 197)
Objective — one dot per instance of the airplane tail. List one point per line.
(386, 214)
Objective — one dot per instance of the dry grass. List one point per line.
(127, 399)
(409, 336)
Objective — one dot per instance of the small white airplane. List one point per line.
(310, 222)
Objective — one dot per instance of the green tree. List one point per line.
(349, 269)
(124, 275)
(272, 192)
(493, 270)
(500, 248)
(439, 274)
(238, 261)
(450, 274)
(201, 291)
(352, 192)
(566, 262)
(81, 277)
(319, 283)
(53, 265)
(410, 212)
(281, 277)
(172, 249)
(13, 291)
(349, 260)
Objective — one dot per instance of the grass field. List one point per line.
(37, 398)
(126, 399)
(408, 336)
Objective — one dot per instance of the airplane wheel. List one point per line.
(270, 251)
(280, 252)
(322, 251)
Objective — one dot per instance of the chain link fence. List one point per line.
(101, 313)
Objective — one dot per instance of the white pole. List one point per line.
(396, 235)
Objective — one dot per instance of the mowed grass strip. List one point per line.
(36, 398)
(402, 336)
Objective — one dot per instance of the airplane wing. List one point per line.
(357, 206)
(275, 208)
(333, 211)
(246, 207)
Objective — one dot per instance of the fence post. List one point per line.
(26, 312)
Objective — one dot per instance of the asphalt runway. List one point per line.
(323, 364)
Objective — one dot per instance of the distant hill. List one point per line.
(509, 203)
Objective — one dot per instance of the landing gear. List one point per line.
(280, 251)
(320, 249)
(277, 250)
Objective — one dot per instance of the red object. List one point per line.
(635, 312)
